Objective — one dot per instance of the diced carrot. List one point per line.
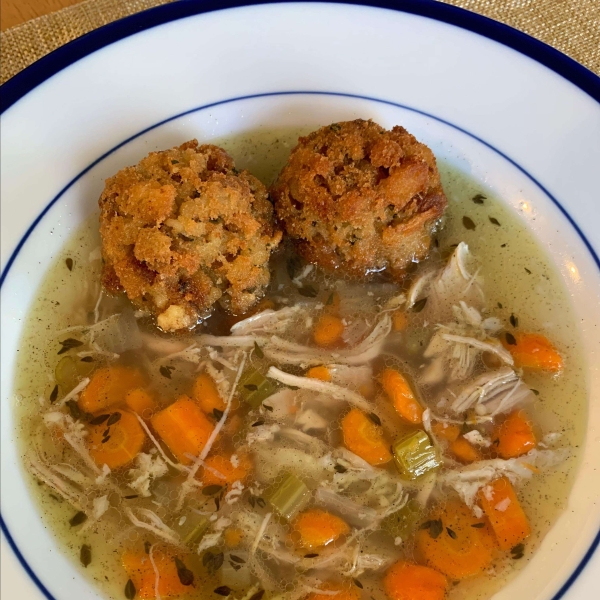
(534, 351)
(401, 395)
(116, 444)
(184, 428)
(315, 528)
(446, 431)
(464, 450)
(223, 466)
(140, 401)
(407, 581)
(233, 537)
(344, 591)
(503, 509)
(206, 394)
(399, 320)
(455, 542)
(328, 331)
(515, 435)
(321, 372)
(108, 386)
(141, 572)
(364, 438)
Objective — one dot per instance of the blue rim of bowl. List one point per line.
(595, 543)
(27, 80)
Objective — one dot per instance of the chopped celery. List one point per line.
(194, 528)
(415, 455)
(289, 496)
(403, 522)
(254, 387)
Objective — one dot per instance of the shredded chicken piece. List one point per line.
(260, 532)
(155, 525)
(315, 385)
(157, 595)
(148, 468)
(74, 392)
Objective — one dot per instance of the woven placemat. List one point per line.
(571, 26)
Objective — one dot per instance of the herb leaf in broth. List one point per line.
(54, 394)
(510, 338)
(166, 371)
(478, 198)
(69, 344)
(69, 263)
(258, 350)
(419, 305)
(79, 518)
(185, 575)
(130, 590)
(308, 291)
(468, 223)
(494, 221)
(222, 590)
(85, 555)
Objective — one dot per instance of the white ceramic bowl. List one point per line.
(515, 114)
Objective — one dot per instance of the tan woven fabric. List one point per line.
(571, 26)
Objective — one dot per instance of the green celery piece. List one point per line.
(194, 528)
(254, 387)
(288, 497)
(403, 522)
(415, 455)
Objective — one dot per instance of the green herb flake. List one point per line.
(166, 371)
(99, 419)
(514, 321)
(510, 339)
(174, 162)
(494, 221)
(374, 418)
(85, 555)
(74, 409)
(536, 392)
(147, 546)
(79, 518)
(479, 198)
(258, 423)
(478, 525)
(69, 263)
(69, 344)
(308, 291)
(468, 223)
(451, 533)
(222, 590)
(258, 595)
(329, 300)
(435, 527)
(185, 575)
(335, 127)
(419, 305)
(130, 590)
(528, 271)
(311, 555)
(258, 350)
(251, 387)
(340, 468)
(268, 407)
(217, 414)
(114, 418)
(211, 490)
(213, 562)
(236, 559)
(499, 304)
(54, 394)
(358, 584)
(87, 359)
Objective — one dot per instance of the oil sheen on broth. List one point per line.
(521, 288)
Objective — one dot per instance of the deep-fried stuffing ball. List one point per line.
(184, 229)
(357, 199)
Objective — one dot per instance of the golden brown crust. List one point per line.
(183, 229)
(358, 199)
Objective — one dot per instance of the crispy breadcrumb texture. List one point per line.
(357, 199)
(184, 229)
